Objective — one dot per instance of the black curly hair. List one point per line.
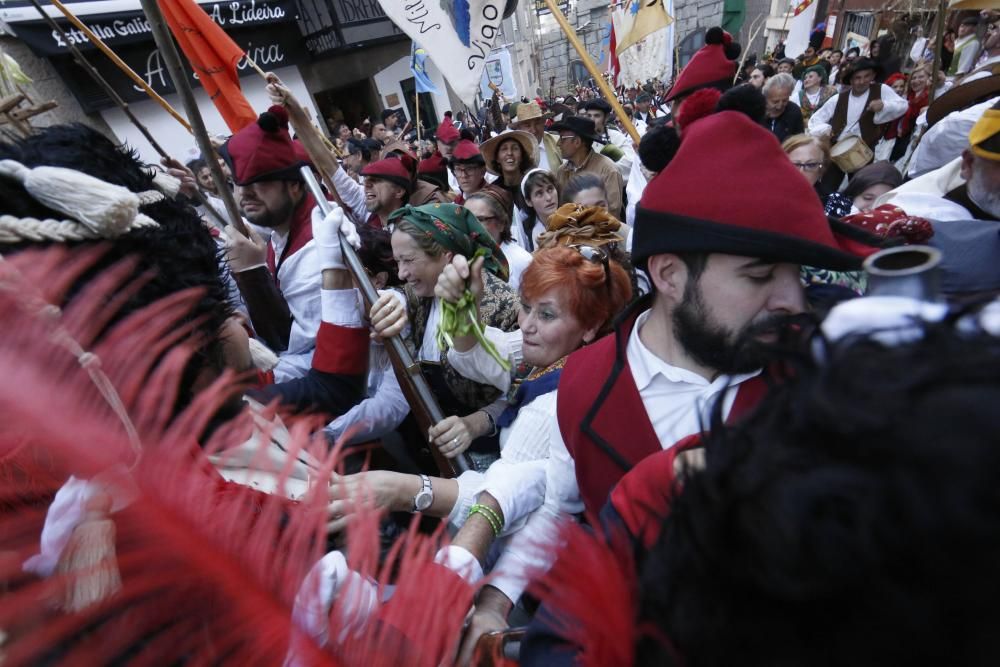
(852, 519)
(178, 254)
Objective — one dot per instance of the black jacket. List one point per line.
(787, 124)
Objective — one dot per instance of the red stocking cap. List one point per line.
(710, 66)
(263, 151)
(446, 131)
(731, 189)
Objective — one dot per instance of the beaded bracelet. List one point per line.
(488, 513)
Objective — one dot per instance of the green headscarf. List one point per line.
(454, 228)
(819, 69)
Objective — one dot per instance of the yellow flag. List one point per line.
(641, 18)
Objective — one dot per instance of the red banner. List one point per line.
(213, 56)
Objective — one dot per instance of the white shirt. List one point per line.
(624, 142)
(893, 107)
(543, 158)
(382, 411)
(677, 402)
(946, 139)
(518, 260)
(967, 49)
(300, 279)
(352, 194)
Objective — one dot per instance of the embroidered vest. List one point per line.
(602, 419)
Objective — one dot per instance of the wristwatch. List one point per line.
(425, 496)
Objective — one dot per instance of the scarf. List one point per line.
(455, 229)
(540, 381)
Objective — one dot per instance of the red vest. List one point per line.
(602, 419)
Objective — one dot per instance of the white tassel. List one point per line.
(263, 358)
(106, 209)
(167, 184)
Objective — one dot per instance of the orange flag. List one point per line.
(213, 55)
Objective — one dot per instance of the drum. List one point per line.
(851, 154)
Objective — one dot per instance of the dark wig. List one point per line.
(178, 254)
(851, 519)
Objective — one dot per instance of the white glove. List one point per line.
(326, 232)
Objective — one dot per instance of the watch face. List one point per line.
(423, 500)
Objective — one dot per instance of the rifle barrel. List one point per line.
(422, 389)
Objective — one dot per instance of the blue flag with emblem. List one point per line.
(418, 65)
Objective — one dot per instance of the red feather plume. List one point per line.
(209, 569)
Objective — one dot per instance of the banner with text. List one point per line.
(457, 34)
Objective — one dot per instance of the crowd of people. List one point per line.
(678, 422)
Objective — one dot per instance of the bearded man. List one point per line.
(723, 258)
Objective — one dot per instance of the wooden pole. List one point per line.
(139, 81)
(938, 46)
(168, 51)
(411, 367)
(592, 69)
(82, 61)
(416, 103)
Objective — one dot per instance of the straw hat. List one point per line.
(528, 111)
(528, 143)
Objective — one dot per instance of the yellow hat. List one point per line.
(984, 138)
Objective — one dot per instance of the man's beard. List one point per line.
(981, 194)
(712, 345)
(270, 218)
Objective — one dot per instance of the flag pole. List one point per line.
(139, 81)
(168, 51)
(416, 104)
(938, 45)
(592, 69)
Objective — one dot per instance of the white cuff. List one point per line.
(341, 307)
(461, 562)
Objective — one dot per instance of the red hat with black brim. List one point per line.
(763, 208)
(263, 151)
(712, 66)
(390, 169)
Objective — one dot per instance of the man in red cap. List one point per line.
(469, 167)
(712, 66)
(723, 252)
(447, 138)
(388, 184)
(279, 278)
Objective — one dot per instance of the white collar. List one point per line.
(645, 365)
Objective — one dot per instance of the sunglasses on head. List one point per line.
(597, 256)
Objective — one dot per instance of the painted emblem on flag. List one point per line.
(458, 12)
(801, 7)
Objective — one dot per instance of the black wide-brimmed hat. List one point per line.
(578, 125)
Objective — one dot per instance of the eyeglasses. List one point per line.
(597, 256)
(466, 171)
(565, 137)
(807, 166)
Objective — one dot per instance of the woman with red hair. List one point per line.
(569, 297)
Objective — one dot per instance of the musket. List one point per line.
(168, 51)
(411, 380)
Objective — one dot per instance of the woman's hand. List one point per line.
(374, 490)
(459, 275)
(388, 316)
(189, 185)
(453, 435)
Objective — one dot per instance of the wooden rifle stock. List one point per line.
(411, 380)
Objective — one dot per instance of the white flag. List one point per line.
(800, 27)
(458, 35)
